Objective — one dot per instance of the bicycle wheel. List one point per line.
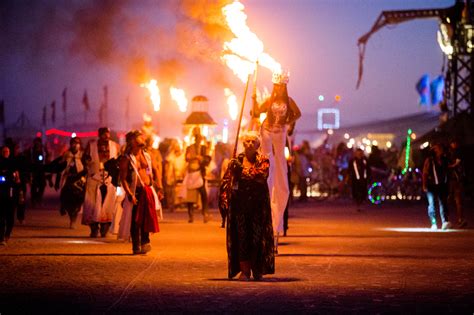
(376, 193)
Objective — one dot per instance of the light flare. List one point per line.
(179, 96)
(155, 98)
(232, 103)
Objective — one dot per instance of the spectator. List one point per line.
(8, 178)
(359, 173)
(435, 185)
(456, 178)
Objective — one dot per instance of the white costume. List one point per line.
(96, 209)
(273, 146)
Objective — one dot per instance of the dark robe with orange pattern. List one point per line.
(249, 218)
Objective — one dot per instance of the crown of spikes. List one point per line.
(281, 78)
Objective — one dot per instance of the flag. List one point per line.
(127, 107)
(44, 115)
(64, 100)
(53, 112)
(101, 113)
(106, 96)
(85, 101)
(2, 112)
(423, 89)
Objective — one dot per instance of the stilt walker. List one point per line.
(281, 112)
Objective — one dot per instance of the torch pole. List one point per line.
(240, 116)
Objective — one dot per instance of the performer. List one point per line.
(137, 174)
(197, 159)
(245, 199)
(282, 113)
(99, 201)
(71, 180)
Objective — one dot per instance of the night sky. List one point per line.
(49, 45)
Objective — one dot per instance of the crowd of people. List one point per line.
(123, 189)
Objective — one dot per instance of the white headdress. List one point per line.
(282, 77)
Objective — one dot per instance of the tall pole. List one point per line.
(240, 116)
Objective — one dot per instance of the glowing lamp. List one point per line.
(321, 98)
(337, 98)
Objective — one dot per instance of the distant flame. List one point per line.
(241, 53)
(232, 103)
(179, 97)
(154, 93)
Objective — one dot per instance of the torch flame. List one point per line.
(243, 51)
(232, 103)
(154, 93)
(179, 97)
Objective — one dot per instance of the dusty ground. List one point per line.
(334, 260)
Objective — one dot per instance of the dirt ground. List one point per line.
(334, 260)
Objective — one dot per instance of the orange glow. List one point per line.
(179, 96)
(337, 98)
(155, 98)
(243, 51)
(232, 103)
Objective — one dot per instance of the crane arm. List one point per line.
(400, 16)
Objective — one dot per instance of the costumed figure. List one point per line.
(173, 174)
(244, 199)
(71, 180)
(282, 113)
(99, 203)
(137, 174)
(194, 182)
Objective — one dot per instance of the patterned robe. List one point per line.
(249, 218)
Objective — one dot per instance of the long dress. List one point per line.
(72, 184)
(249, 218)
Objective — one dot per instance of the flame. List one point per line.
(179, 97)
(154, 93)
(232, 103)
(243, 51)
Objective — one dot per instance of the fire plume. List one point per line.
(155, 98)
(243, 51)
(232, 103)
(179, 97)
